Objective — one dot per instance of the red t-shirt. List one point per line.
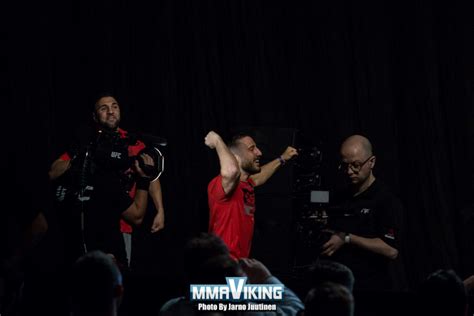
(133, 150)
(232, 217)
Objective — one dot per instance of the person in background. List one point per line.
(95, 285)
(365, 236)
(110, 186)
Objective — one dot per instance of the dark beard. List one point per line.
(250, 169)
(104, 126)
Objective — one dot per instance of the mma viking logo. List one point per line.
(236, 289)
(236, 295)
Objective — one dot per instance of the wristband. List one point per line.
(347, 238)
(143, 183)
(281, 160)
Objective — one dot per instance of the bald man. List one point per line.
(365, 226)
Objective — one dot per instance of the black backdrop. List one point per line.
(400, 73)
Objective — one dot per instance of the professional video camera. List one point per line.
(99, 150)
(317, 220)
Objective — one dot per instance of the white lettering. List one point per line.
(115, 154)
(222, 307)
(237, 307)
(198, 292)
(236, 291)
(278, 292)
(251, 295)
(267, 293)
(212, 293)
(207, 307)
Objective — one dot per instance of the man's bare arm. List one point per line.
(157, 197)
(375, 245)
(58, 168)
(135, 213)
(230, 170)
(269, 169)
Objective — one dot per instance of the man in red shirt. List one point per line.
(231, 194)
(107, 117)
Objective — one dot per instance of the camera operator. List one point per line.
(365, 235)
(104, 179)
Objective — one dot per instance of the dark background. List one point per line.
(399, 73)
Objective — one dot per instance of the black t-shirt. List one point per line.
(376, 212)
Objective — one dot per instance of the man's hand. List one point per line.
(289, 153)
(148, 162)
(255, 270)
(333, 244)
(211, 139)
(158, 222)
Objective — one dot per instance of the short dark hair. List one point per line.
(204, 246)
(235, 140)
(99, 95)
(95, 277)
(329, 299)
(216, 269)
(331, 271)
(200, 249)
